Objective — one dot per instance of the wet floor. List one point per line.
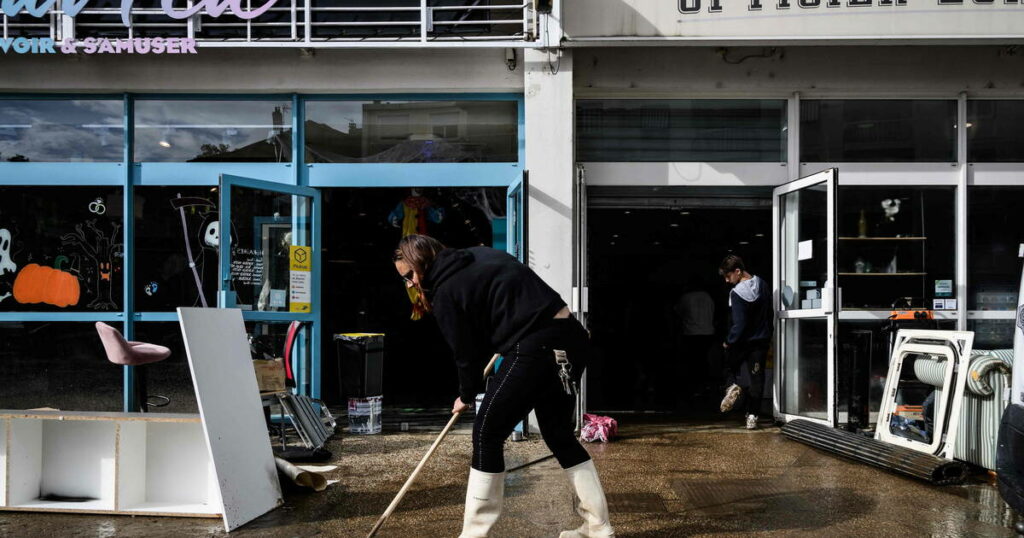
(661, 480)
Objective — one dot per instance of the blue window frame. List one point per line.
(129, 175)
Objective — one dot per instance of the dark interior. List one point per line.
(362, 292)
(645, 249)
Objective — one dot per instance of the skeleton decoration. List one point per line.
(101, 250)
(7, 264)
(211, 235)
(208, 234)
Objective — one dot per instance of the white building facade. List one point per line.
(617, 105)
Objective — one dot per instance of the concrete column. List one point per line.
(550, 134)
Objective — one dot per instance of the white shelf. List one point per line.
(128, 463)
(65, 506)
(174, 509)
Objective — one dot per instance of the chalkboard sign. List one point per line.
(247, 267)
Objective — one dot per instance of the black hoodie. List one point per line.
(485, 301)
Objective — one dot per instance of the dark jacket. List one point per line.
(750, 303)
(485, 301)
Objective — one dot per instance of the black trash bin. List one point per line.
(360, 364)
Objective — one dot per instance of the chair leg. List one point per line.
(141, 394)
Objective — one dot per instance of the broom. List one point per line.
(423, 462)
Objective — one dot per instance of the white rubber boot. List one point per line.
(593, 507)
(484, 495)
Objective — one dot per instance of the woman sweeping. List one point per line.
(485, 301)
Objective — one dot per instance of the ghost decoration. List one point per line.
(7, 265)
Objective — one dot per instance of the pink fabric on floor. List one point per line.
(125, 353)
(598, 428)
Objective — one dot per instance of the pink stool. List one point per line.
(127, 353)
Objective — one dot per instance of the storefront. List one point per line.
(656, 137)
(199, 179)
(680, 112)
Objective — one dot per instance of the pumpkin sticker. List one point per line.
(38, 284)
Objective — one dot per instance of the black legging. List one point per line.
(528, 379)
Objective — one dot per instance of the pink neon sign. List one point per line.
(213, 8)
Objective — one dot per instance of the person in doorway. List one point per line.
(695, 311)
(749, 338)
(486, 301)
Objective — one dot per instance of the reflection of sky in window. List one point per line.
(177, 131)
(61, 130)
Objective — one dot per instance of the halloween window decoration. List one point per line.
(176, 247)
(59, 251)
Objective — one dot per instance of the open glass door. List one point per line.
(805, 303)
(580, 289)
(271, 266)
(516, 200)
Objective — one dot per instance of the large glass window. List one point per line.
(995, 131)
(59, 365)
(61, 249)
(995, 231)
(411, 131)
(176, 247)
(992, 333)
(61, 130)
(896, 243)
(213, 131)
(680, 130)
(877, 131)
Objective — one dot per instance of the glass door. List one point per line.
(268, 238)
(805, 303)
(516, 200)
(580, 288)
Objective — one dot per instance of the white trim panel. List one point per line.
(890, 174)
(691, 174)
(995, 174)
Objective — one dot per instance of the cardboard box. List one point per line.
(269, 374)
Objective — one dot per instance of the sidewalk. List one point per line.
(661, 480)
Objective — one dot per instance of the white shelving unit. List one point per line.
(126, 463)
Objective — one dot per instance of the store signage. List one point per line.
(92, 45)
(832, 20)
(147, 45)
(211, 8)
(300, 281)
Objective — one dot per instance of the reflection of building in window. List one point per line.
(446, 124)
(411, 131)
(424, 131)
(389, 127)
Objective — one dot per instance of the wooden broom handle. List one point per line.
(423, 462)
